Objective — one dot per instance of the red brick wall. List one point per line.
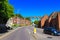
(43, 20)
(24, 22)
(27, 22)
(21, 21)
(14, 20)
(59, 21)
(53, 21)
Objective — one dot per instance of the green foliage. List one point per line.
(36, 22)
(19, 15)
(6, 11)
(28, 18)
(15, 25)
(10, 11)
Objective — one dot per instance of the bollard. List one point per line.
(34, 30)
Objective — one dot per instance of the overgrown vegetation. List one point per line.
(6, 11)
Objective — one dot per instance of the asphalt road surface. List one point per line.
(42, 36)
(20, 34)
(25, 33)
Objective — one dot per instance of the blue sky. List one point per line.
(35, 7)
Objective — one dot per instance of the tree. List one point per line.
(19, 15)
(10, 11)
(36, 22)
(6, 11)
(28, 18)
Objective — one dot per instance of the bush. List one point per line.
(15, 25)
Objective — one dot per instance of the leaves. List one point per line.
(6, 11)
(19, 15)
(36, 22)
(28, 18)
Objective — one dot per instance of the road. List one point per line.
(42, 36)
(20, 34)
(26, 33)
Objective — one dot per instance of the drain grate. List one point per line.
(49, 37)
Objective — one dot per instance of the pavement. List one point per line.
(26, 33)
